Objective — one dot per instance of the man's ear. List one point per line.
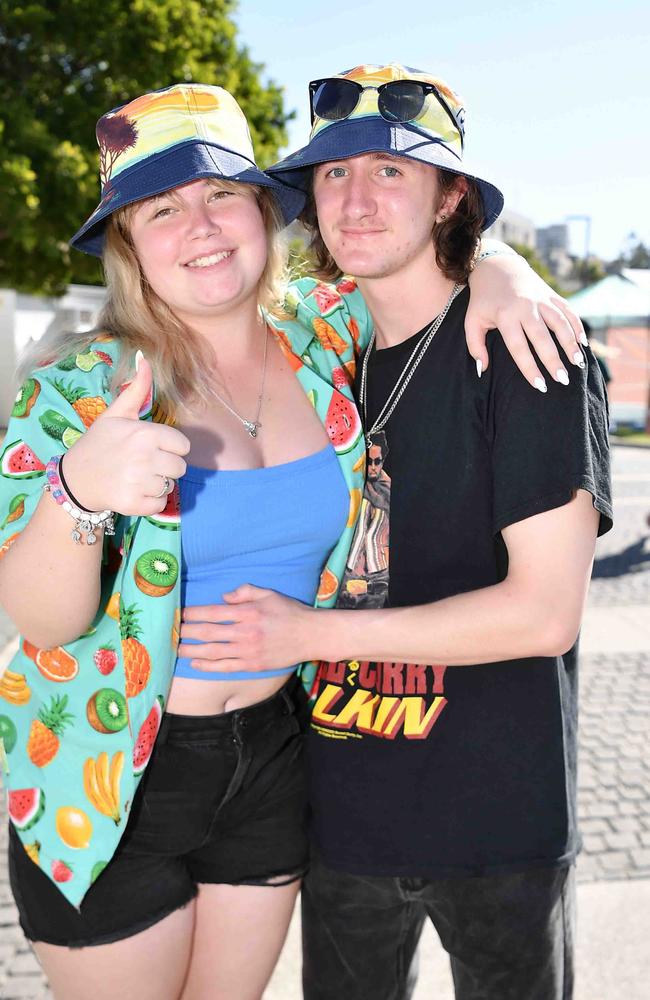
(453, 197)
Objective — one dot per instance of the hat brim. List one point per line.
(346, 138)
(183, 163)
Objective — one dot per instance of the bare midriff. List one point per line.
(190, 697)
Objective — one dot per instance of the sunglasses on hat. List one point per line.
(334, 99)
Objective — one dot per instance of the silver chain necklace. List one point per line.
(406, 373)
(252, 426)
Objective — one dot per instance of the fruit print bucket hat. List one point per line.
(391, 109)
(168, 138)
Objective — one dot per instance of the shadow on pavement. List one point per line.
(633, 559)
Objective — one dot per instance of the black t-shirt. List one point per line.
(434, 770)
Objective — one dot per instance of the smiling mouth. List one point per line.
(210, 260)
(361, 232)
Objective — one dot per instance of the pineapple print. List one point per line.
(137, 664)
(88, 407)
(43, 741)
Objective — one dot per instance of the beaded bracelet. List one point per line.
(480, 255)
(85, 520)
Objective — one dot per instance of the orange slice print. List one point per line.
(327, 586)
(56, 664)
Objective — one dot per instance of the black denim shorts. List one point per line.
(222, 801)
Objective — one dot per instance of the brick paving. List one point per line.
(614, 774)
(614, 769)
(622, 566)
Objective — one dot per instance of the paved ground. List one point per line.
(614, 783)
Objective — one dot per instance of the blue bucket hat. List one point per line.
(364, 115)
(168, 138)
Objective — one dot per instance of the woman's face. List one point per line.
(202, 247)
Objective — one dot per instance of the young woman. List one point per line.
(157, 811)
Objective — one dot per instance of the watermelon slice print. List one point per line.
(342, 423)
(170, 517)
(26, 806)
(327, 298)
(147, 736)
(18, 461)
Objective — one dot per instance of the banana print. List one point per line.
(102, 783)
(14, 688)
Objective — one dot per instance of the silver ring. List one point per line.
(168, 486)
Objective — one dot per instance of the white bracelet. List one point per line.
(85, 520)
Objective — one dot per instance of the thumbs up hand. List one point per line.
(121, 462)
(134, 394)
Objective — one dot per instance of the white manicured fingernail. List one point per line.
(479, 367)
(540, 384)
(562, 376)
(583, 339)
(138, 358)
(578, 359)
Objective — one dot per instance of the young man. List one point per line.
(443, 737)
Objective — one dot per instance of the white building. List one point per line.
(511, 227)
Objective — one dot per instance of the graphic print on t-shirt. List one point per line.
(362, 698)
(365, 580)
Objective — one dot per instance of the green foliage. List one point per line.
(63, 63)
(638, 256)
(588, 272)
(300, 261)
(537, 266)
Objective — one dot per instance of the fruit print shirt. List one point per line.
(78, 723)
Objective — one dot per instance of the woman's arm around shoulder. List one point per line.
(506, 294)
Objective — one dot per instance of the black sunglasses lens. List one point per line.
(402, 100)
(335, 99)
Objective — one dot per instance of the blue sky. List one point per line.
(558, 93)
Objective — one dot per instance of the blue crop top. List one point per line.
(273, 527)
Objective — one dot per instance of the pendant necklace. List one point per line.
(252, 426)
(405, 375)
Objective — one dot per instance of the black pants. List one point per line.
(509, 937)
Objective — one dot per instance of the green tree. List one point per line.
(538, 266)
(588, 272)
(639, 256)
(63, 63)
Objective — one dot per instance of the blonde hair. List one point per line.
(182, 361)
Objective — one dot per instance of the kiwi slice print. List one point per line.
(156, 572)
(106, 711)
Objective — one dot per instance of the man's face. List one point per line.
(375, 461)
(376, 213)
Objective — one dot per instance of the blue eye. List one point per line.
(390, 171)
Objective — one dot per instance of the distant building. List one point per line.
(552, 246)
(549, 238)
(511, 227)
